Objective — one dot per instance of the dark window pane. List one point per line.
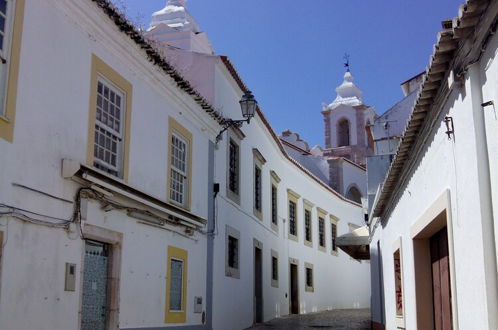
(3, 6)
(233, 246)
(307, 225)
(274, 204)
(292, 218)
(2, 23)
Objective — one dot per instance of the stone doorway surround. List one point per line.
(435, 218)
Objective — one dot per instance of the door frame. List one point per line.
(435, 218)
(114, 240)
(258, 245)
(293, 261)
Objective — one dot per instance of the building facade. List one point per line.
(432, 229)
(119, 206)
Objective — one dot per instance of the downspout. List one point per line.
(210, 239)
(484, 182)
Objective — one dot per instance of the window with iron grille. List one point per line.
(6, 20)
(176, 285)
(292, 218)
(257, 188)
(233, 170)
(309, 277)
(334, 237)
(109, 126)
(233, 252)
(307, 225)
(274, 213)
(321, 231)
(179, 169)
(274, 268)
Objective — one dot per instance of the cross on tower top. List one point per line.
(346, 63)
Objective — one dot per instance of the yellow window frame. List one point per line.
(100, 68)
(175, 126)
(176, 316)
(7, 122)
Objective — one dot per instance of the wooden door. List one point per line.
(258, 286)
(441, 287)
(294, 290)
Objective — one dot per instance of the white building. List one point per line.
(433, 235)
(118, 209)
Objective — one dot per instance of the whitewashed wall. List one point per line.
(59, 38)
(459, 166)
(340, 282)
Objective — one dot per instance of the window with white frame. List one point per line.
(109, 128)
(179, 169)
(6, 27)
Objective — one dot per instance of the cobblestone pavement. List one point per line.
(341, 319)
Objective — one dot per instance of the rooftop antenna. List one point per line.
(346, 63)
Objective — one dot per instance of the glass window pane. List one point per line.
(3, 6)
(176, 285)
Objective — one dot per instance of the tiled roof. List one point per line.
(156, 58)
(233, 72)
(455, 32)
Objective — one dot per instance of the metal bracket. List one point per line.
(450, 129)
(231, 123)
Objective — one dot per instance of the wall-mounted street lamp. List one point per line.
(248, 106)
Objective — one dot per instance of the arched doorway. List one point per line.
(343, 133)
(354, 194)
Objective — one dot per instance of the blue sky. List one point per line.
(290, 52)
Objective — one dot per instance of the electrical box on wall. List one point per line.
(70, 278)
(197, 304)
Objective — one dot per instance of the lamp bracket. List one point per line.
(231, 123)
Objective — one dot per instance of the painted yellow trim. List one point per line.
(173, 316)
(99, 67)
(7, 124)
(173, 125)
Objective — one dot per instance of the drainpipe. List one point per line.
(210, 239)
(484, 183)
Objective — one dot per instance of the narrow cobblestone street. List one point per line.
(343, 319)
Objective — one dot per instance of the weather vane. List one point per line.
(346, 64)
